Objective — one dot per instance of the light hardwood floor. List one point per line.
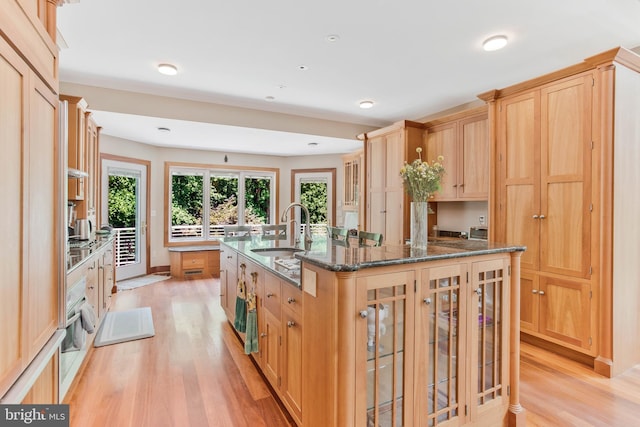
(193, 372)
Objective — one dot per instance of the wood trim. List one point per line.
(332, 220)
(605, 221)
(466, 114)
(391, 128)
(621, 55)
(147, 163)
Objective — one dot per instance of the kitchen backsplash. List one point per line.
(460, 216)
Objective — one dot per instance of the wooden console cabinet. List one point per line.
(194, 262)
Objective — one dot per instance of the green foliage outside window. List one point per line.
(314, 196)
(122, 201)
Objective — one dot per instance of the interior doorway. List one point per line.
(124, 207)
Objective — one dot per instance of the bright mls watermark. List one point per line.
(34, 415)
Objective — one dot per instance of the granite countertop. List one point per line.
(194, 248)
(77, 256)
(338, 258)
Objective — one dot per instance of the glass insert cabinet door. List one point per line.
(384, 349)
(441, 369)
(461, 343)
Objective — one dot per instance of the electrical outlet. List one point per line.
(482, 219)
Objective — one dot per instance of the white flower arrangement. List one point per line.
(422, 179)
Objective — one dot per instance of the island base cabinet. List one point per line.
(430, 345)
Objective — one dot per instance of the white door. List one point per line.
(124, 207)
(324, 203)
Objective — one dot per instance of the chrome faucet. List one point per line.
(307, 231)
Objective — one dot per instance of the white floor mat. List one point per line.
(121, 326)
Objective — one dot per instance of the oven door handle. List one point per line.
(72, 319)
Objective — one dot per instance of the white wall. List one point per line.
(158, 156)
(460, 216)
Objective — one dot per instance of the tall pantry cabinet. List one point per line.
(565, 147)
(31, 221)
(387, 204)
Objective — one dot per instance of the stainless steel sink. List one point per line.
(276, 252)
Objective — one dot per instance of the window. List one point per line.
(203, 200)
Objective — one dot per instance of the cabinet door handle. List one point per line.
(291, 300)
(542, 217)
(363, 313)
(454, 185)
(536, 217)
(291, 324)
(535, 291)
(263, 335)
(269, 295)
(383, 211)
(541, 293)
(427, 301)
(460, 185)
(478, 292)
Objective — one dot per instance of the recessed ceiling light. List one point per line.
(332, 38)
(494, 43)
(303, 67)
(164, 130)
(366, 104)
(312, 144)
(168, 69)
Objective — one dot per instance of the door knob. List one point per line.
(363, 313)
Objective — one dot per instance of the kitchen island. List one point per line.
(386, 336)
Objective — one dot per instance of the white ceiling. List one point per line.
(413, 58)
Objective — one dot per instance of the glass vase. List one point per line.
(419, 225)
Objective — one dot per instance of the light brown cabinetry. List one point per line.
(353, 192)
(194, 262)
(29, 177)
(228, 280)
(387, 205)
(292, 328)
(269, 330)
(566, 157)
(45, 389)
(76, 145)
(545, 171)
(463, 140)
(417, 345)
(106, 279)
(92, 163)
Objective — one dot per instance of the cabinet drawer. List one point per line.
(193, 260)
(228, 257)
(292, 298)
(272, 295)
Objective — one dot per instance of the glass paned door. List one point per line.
(124, 208)
(441, 345)
(385, 349)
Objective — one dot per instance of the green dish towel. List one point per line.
(251, 340)
(240, 323)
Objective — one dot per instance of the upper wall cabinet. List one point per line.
(463, 140)
(76, 145)
(353, 194)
